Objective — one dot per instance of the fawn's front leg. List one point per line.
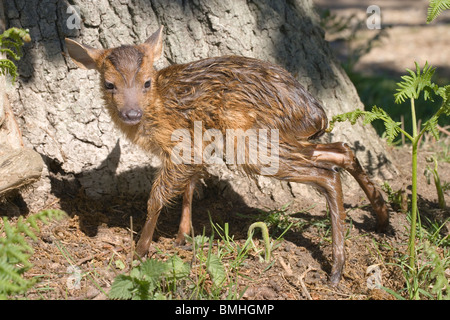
(171, 181)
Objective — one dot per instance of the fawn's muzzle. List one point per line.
(131, 116)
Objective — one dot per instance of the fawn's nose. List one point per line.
(131, 116)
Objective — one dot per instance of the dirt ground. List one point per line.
(97, 235)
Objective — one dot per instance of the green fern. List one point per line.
(11, 42)
(15, 251)
(431, 124)
(436, 7)
(411, 87)
(392, 128)
(444, 92)
(415, 83)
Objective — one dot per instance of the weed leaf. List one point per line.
(178, 268)
(216, 270)
(122, 287)
(151, 270)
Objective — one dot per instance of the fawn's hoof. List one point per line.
(382, 225)
(142, 248)
(335, 278)
(180, 240)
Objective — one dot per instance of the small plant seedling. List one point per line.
(433, 171)
(265, 234)
(398, 199)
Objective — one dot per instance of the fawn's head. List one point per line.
(126, 73)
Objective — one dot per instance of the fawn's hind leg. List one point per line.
(341, 155)
(186, 212)
(328, 182)
(316, 164)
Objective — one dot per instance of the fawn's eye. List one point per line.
(109, 85)
(147, 84)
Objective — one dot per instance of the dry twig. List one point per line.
(302, 283)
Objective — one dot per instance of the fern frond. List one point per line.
(25, 228)
(45, 216)
(349, 116)
(445, 94)
(415, 83)
(392, 130)
(392, 127)
(8, 271)
(11, 281)
(375, 114)
(15, 250)
(436, 7)
(432, 124)
(11, 42)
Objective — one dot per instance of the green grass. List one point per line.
(212, 274)
(427, 280)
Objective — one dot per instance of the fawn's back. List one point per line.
(231, 92)
(222, 93)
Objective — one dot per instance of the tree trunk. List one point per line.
(61, 111)
(19, 166)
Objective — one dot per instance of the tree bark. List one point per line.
(61, 111)
(19, 166)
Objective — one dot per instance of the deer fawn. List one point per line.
(222, 93)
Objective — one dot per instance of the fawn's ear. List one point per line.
(155, 43)
(84, 56)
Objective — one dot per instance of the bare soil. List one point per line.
(97, 235)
